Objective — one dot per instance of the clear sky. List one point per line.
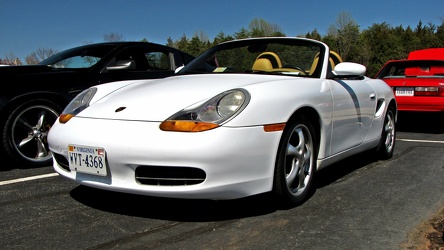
(26, 25)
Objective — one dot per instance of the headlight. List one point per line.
(79, 103)
(211, 114)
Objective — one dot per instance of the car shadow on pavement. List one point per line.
(338, 170)
(188, 210)
(205, 210)
(7, 163)
(421, 122)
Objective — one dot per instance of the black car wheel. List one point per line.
(26, 130)
(296, 162)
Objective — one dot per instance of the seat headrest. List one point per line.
(273, 57)
(262, 64)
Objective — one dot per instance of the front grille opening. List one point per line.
(169, 176)
(62, 161)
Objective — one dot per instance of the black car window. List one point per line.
(80, 57)
(146, 59)
(77, 62)
(158, 60)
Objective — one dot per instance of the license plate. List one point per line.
(90, 160)
(404, 91)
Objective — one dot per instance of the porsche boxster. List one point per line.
(250, 116)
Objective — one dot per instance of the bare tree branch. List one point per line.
(39, 55)
(112, 37)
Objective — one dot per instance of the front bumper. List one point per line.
(235, 162)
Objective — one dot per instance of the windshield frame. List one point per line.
(196, 66)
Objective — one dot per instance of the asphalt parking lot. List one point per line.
(358, 204)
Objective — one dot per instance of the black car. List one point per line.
(33, 96)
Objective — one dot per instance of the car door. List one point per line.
(354, 104)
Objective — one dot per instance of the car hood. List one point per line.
(159, 99)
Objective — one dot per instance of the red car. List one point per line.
(418, 81)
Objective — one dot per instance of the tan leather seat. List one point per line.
(334, 59)
(262, 64)
(273, 57)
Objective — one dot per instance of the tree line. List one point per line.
(371, 47)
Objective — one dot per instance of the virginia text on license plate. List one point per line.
(86, 159)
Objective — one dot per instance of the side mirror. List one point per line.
(122, 64)
(178, 69)
(349, 69)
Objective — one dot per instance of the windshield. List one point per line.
(80, 57)
(261, 56)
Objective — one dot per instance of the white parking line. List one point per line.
(28, 178)
(420, 140)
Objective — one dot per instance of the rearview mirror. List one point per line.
(178, 69)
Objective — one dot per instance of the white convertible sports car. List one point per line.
(258, 115)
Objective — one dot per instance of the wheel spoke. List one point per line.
(41, 149)
(302, 176)
(300, 155)
(292, 155)
(305, 169)
(25, 141)
(307, 158)
(292, 150)
(22, 122)
(389, 125)
(41, 119)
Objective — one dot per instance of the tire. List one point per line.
(25, 133)
(296, 162)
(386, 144)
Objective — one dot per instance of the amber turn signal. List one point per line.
(64, 118)
(186, 126)
(274, 127)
